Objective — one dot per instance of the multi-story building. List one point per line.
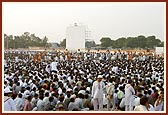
(76, 36)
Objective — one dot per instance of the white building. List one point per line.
(75, 37)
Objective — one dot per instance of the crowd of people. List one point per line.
(83, 81)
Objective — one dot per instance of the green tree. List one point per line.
(24, 41)
(89, 44)
(63, 43)
(120, 43)
(106, 42)
(44, 41)
(141, 41)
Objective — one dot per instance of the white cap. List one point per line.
(73, 96)
(81, 92)
(99, 76)
(69, 89)
(60, 91)
(7, 90)
(160, 80)
(88, 89)
(20, 77)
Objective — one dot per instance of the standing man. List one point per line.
(109, 95)
(129, 92)
(97, 93)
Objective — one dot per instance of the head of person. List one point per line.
(8, 92)
(130, 81)
(19, 95)
(36, 95)
(99, 78)
(60, 107)
(144, 100)
(61, 98)
(51, 99)
(72, 98)
(81, 94)
(29, 98)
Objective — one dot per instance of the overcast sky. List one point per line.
(111, 19)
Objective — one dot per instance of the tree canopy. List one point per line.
(63, 43)
(24, 41)
(132, 42)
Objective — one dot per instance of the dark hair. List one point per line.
(20, 95)
(72, 99)
(61, 98)
(28, 88)
(51, 99)
(41, 97)
(143, 100)
(149, 92)
(47, 94)
(80, 95)
(35, 95)
(29, 97)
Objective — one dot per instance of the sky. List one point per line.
(114, 20)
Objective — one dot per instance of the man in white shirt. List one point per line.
(79, 101)
(109, 95)
(40, 104)
(54, 66)
(9, 104)
(129, 92)
(19, 102)
(97, 93)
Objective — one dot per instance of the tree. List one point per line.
(120, 43)
(106, 42)
(24, 41)
(44, 41)
(89, 44)
(141, 41)
(63, 43)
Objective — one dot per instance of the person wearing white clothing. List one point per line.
(79, 101)
(97, 93)
(109, 95)
(129, 92)
(53, 66)
(9, 104)
(40, 104)
(144, 105)
(19, 102)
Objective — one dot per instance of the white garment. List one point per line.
(34, 102)
(79, 103)
(19, 104)
(46, 99)
(40, 105)
(160, 106)
(54, 66)
(26, 94)
(115, 69)
(151, 108)
(9, 104)
(140, 108)
(110, 96)
(48, 68)
(97, 94)
(129, 92)
(72, 105)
